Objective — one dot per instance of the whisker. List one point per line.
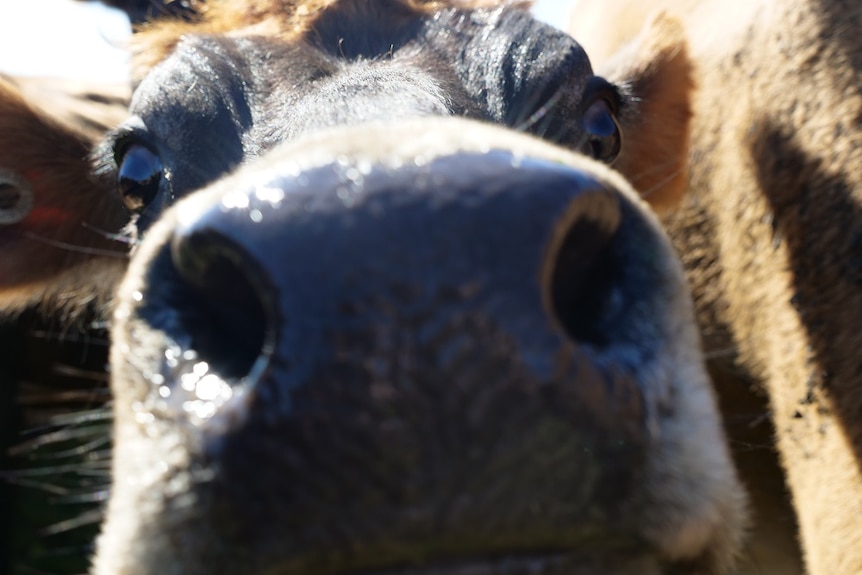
(748, 447)
(94, 496)
(69, 337)
(121, 238)
(49, 488)
(765, 416)
(659, 185)
(525, 124)
(82, 520)
(74, 248)
(92, 448)
(100, 470)
(720, 353)
(652, 170)
(87, 416)
(67, 370)
(70, 427)
(20, 475)
(65, 434)
(42, 397)
(540, 114)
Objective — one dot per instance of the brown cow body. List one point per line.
(769, 230)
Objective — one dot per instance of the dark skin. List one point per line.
(537, 81)
(376, 333)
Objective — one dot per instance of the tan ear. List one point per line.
(656, 70)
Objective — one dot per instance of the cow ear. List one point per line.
(140, 11)
(658, 77)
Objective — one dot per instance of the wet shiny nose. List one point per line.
(425, 348)
(413, 350)
(266, 260)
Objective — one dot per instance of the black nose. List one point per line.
(528, 233)
(365, 308)
(423, 358)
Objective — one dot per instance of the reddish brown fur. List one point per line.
(49, 256)
(84, 108)
(656, 138)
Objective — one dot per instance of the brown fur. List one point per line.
(85, 108)
(660, 76)
(686, 465)
(770, 230)
(59, 258)
(60, 255)
(656, 137)
(276, 18)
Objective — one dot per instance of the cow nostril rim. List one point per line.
(581, 267)
(226, 301)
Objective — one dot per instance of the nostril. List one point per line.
(225, 301)
(582, 268)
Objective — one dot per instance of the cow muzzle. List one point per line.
(381, 348)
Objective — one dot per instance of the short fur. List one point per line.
(770, 229)
(284, 19)
(660, 72)
(69, 230)
(61, 259)
(685, 510)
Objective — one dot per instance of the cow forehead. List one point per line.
(249, 91)
(492, 58)
(369, 33)
(221, 99)
(282, 18)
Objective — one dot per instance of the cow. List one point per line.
(51, 209)
(61, 235)
(389, 309)
(769, 233)
(60, 216)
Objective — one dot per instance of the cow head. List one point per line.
(392, 311)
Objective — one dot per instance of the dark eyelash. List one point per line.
(124, 138)
(598, 87)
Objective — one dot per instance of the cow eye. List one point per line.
(140, 172)
(603, 134)
(16, 198)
